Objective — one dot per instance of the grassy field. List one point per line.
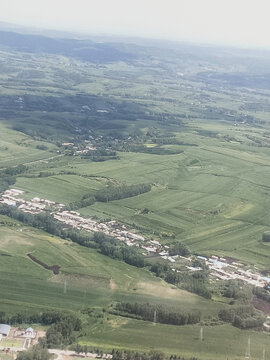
(17, 148)
(219, 342)
(94, 280)
(60, 188)
(11, 342)
(91, 278)
(213, 197)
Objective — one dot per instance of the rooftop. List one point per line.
(4, 329)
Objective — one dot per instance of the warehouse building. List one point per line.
(4, 329)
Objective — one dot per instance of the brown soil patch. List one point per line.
(112, 284)
(54, 268)
(230, 260)
(117, 323)
(261, 305)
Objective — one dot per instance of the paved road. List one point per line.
(58, 352)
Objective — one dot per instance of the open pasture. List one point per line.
(59, 188)
(17, 148)
(219, 342)
(86, 277)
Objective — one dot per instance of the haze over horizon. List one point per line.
(238, 22)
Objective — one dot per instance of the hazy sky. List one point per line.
(244, 22)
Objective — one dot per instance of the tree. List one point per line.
(266, 236)
(35, 353)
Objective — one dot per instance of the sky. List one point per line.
(229, 22)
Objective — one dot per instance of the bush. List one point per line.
(266, 236)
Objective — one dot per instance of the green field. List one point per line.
(11, 342)
(17, 148)
(217, 205)
(91, 278)
(220, 342)
(94, 280)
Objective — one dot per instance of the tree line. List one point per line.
(105, 244)
(196, 282)
(8, 176)
(243, 316)
(152, 355)
(110, 193)
(159, 313)
(121, 192)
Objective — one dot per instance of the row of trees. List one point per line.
(121, 192)
(106, 244)
(6, 181)
(243, 317)
(195, 282)
(44, 318)
(159, 313)
(14, 170)
(110, 193)
(8, 176)
(152, 355)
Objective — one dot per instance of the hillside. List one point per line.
(164, 143)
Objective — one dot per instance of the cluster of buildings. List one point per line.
(79, 150)
(110, 228)
(75, 220)
(34, 206)
(221, 269)
(5, 332)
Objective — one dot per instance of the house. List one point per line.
(4, 329)
(29, 332)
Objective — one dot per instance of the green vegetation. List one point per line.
(158, 313)
(243, 317)
(171, 140)
(37, 352)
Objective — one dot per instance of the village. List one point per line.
(220, 268)
(12, 197)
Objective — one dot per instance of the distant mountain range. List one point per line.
(85, 50)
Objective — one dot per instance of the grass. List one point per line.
(91, 278)
(220, 342)
(4, 356)
(17, 148)
(60, 188)
(217, 204)
(7, 342)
